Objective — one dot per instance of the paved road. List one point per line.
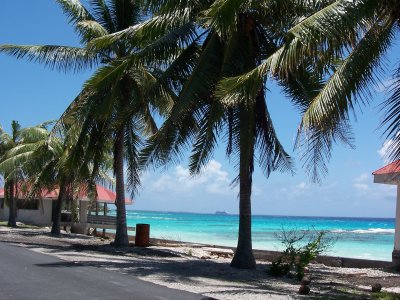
(25, 274)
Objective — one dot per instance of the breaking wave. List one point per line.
(365, 231)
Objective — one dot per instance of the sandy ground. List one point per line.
(196, 269)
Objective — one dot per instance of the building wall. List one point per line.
(41, 216)
(2, 209)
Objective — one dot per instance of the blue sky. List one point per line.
(31, 94)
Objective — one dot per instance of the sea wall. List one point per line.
(333, 261)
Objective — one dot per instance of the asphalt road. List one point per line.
(25, 274)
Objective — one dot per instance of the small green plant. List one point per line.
(189, 252)
(301, 247)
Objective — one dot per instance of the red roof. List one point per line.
(106, 196)
(45, 194)
(394, 167)
(103, 195)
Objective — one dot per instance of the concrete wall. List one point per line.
(41, 216)
(2, 218)
(3, 211)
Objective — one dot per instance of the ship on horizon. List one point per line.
(221, 212)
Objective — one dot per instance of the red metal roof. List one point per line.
(394, 167)
(103, 195)
(45, 194)
(106, 196)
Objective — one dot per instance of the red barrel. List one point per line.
(142, 238)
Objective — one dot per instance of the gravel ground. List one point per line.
(196, 269)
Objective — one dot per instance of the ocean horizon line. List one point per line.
(261, 215)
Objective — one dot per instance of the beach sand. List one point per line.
(198, 269)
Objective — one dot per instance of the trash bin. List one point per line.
(142, 238)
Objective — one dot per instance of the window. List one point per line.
(28, 204)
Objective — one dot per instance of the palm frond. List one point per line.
(352, 78)
(132, 144)
(170, 142)
(34, 134)
(272, 154)
(124, 13)
(75, 11)
(326, 119)
(170, 6)
(55, 57)
(108, 75)
(206, 139)
(144, 33)
(334, 21)
(315, 147)
(391, 108)
(204, 75)
(102, 15)
(222, 16)
(91, 29)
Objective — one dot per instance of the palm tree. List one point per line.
(218, 101)
(45, 165)
(113, 105)
(7, 142)
(12, 177)
(352, 37)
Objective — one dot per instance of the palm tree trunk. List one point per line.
(121, 235)
(244, 258)
(56, 228)
(12, 220)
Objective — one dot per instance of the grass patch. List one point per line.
(24, 226)
(385, 296)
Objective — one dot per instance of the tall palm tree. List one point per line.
(113, 105)
(218, 101)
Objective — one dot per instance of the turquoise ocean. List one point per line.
(367, 238)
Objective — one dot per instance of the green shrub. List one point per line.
(301, 247)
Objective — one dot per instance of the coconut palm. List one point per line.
(217, 103)
(113, 105)
(44, 164)
(8, 143)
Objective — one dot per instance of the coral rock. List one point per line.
(304, 290)
(376, 287)
(306, 280)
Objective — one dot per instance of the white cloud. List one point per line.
(365, 177)
(383, 151)
(362, 182)
(365, 188)
(302, 186)
(361, 186)
(213, 180)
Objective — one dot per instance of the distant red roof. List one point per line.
(394, 167)
(45, 194)
(106, 196)
(103, 195)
